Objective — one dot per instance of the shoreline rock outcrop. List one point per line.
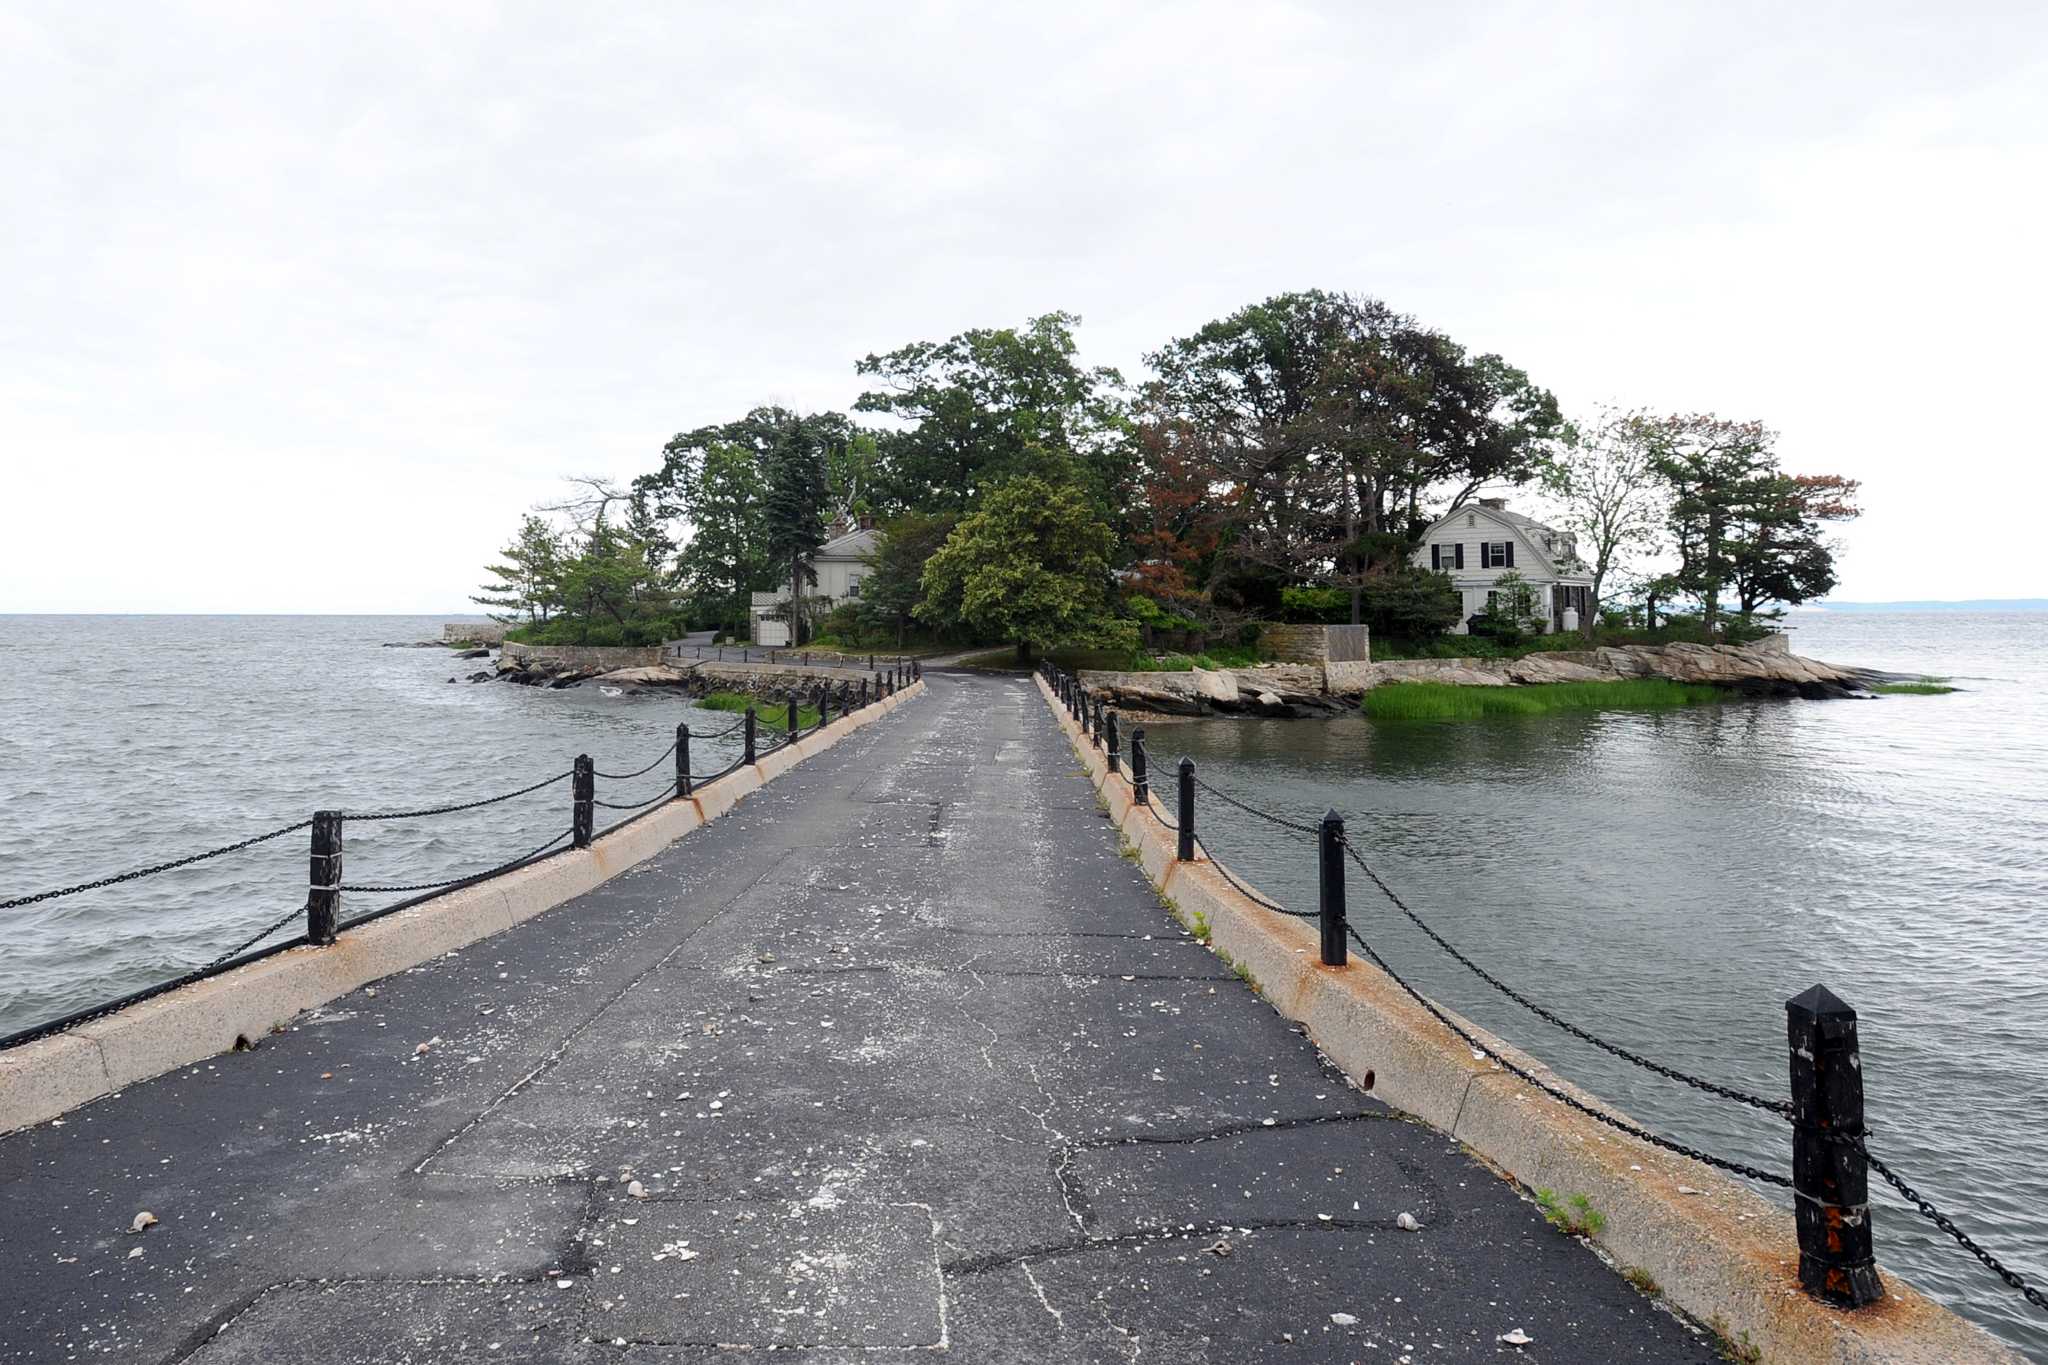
(1310, 689)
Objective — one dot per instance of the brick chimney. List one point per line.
(1497, 504)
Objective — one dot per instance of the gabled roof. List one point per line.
(853, 545)
(1531, 531)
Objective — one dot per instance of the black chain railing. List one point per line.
(142, 872)
(321, 908)
(1837, 1263)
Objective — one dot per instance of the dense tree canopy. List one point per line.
(990, 405)
(1281, 461)
(1031, 566)
(1339, 426)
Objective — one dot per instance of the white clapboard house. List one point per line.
(841, 562)
(1480, 541)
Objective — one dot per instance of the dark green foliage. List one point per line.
(1338, 424)
(890, 593)
(1031, 566)
(994, 404)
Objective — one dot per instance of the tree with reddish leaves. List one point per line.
(1340, 427)
(1179, 521)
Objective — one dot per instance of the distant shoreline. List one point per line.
(1972, 604)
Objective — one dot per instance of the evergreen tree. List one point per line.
(525, 575)
(793, 514)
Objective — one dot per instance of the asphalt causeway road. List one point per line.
(898, 1061)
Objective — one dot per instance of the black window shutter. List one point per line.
(1460, 547)
(1436, 556)
(1509, 546)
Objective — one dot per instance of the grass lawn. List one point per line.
(766, 716)
(1449, 701)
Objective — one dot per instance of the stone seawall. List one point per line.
(577, 658)
(473, 633)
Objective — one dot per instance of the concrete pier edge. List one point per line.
(1716, 1249)
(48, 1077)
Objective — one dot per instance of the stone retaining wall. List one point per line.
(578, 658)
(1294, 644)
(473, 632)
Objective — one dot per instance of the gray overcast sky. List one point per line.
(302, 305)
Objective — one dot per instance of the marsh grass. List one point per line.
(1450, 701)
(767, 716)
(1926, 687)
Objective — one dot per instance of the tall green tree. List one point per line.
(1779, 551)
(895, 582)
(793, 517)
(1717, 472)
(713, 487)
(525, 576)
(992, 404)
(1340, 426)
(1030, 566)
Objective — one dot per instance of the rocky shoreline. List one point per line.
(1323, 689)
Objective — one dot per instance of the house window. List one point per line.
(1443, 557)
(853, 585)
(1497, 554)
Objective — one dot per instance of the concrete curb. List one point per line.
(42, 1079)
(1715, 1248)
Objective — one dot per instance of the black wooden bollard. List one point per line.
(1113, 754)
(1141, 785)
(1830, 1175)
(878, 686)
(683, 760)
(795, 721)
(585, 783)
(323, 896)
(1186, 816)
(1095, 723)
(1330, 864)
(747, 735)
(825, 707)
(863, 694)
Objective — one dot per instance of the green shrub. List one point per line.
(767, 715)
(601, 634)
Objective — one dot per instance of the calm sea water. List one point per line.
(126, 741)
(1667, 880)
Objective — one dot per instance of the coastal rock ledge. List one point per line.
(1764, 670)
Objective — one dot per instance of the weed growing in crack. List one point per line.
(1643, 1280)
(1745, 1352)
(1575, 1215)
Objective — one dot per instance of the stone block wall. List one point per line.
(1315, 644)
(564, 658)
(481, 632)
(1293, 644)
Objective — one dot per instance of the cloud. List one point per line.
(305, 305)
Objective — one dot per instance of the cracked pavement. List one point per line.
(899, 1059)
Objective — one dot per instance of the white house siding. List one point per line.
(1473, 527)
(841, 566)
